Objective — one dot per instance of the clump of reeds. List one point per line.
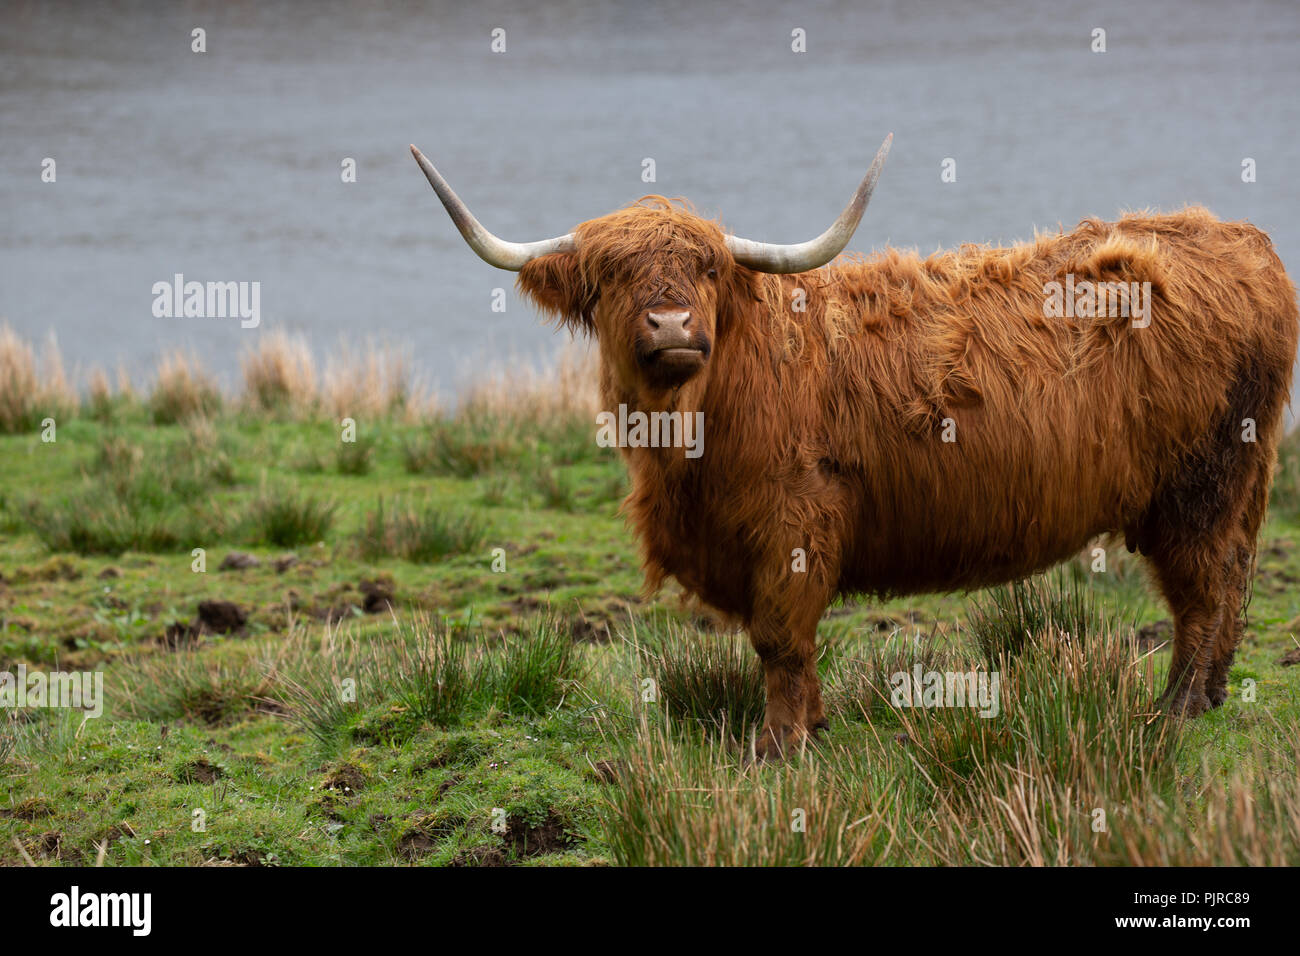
(31, 390)
(183, 389)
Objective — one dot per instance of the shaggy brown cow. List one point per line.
(933, 424)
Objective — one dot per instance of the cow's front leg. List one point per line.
(814, 710)
(794, 700)
(784, 722)
(783, 630)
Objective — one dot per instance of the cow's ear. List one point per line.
(556, 285)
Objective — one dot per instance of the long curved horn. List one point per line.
(493, 251)
(767, 257)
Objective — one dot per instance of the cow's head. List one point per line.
(648, 281)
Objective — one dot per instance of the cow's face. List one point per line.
(647, 281)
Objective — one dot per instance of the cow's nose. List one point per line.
(669, 321)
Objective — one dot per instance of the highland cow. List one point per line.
(915, 424)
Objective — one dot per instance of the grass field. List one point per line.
(428, 646)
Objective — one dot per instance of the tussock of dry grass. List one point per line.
(280, 375)
(527, 396)
(280, 379)
(680, 803)
(30, 390)
(1074, 770)
(517, 419)
(182, 390)
(99, 396)
(374, 382)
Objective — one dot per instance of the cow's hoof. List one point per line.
(820, 727)
(768, 749)
(776, 743)
(1217, 695)
(1185, 704)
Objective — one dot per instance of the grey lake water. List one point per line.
(225, 165)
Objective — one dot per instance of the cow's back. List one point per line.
(983, 436)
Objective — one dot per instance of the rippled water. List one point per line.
(226, 165)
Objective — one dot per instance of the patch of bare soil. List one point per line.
(346, 777)
(378, 595)
(488, 855)
(1279, 548)
(50, 844)
(332, 614)
(524, 604)
(214, 617)
(415, 844)
(591, 630)
(883, 623)
(223, 617)
(181, 634)
(844, 610)
(607, 771)
(546, 837)
(29, 810)
(421, 837)
(1153, 635)
(598, 623)
(202, 770)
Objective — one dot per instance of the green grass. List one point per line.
(1011, 616)
(1285, 500)
(462, 448)
(422, 534)
(355, 457)
(283, 517)
(521, 704)
(712, 679)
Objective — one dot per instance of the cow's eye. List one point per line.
(711, 273)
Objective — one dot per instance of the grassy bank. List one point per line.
(427, 645)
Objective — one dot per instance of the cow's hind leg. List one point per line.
(1200, 534)
(1193, 584)
(1239, 569)
(1240, 563)
(1191, 535)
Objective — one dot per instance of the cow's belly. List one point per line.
(973, 538)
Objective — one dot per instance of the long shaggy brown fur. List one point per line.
(826, 426)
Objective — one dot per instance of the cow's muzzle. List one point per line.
(671, 349)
